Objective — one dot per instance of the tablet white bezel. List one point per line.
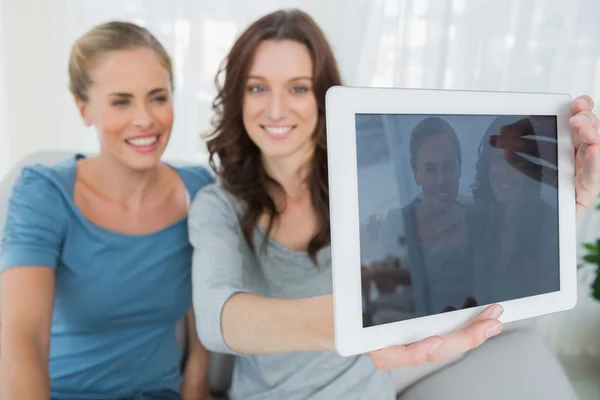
(342, 104)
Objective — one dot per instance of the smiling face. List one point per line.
(506, 182)
(280, 111)
(129, 103)
(437, 171)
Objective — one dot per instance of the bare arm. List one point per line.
(27, 296)
(229, 317)
(195, 374)
(32, 238)
(254, 324)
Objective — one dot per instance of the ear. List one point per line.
(82, 106)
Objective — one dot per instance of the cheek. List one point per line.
(111, 122)
(164, 115)
(307, 110)
(251, 111)
(252, 108)
(496, 168)
(423, 179)
(456, 174)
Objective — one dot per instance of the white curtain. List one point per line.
(514, 45)
(509, 45)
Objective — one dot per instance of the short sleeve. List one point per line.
(217, 266)
(195, 178)
(35, 222)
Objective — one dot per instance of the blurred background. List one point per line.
(512, 45)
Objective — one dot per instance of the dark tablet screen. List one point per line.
(455, 211)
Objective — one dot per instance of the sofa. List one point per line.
(518, 364)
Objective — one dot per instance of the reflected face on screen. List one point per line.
(437, 171)
(506, 182)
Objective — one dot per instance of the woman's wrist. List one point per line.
(321, 322)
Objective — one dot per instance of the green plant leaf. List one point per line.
(592, 258)
(596, 286)
(591, 247)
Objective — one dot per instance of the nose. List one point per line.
(502, 170)
(276, 107)
(142, 118)
(441, 176)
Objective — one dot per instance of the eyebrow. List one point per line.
(129, 95)
(298, 78)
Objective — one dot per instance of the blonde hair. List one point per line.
(102, 39)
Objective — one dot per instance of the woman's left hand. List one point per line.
(586, 138)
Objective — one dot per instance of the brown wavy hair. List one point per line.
(240, 168)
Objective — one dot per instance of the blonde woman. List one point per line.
(95, 258)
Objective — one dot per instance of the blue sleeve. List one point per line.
(196, 178)
(35, 223)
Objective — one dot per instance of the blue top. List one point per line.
(118, 297)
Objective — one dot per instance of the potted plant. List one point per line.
(593, 258)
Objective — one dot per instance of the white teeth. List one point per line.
(146, 141)
(278, 131)
(504, 185)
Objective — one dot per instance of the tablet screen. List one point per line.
(455, 211)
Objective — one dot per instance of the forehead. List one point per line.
(129, 71)
(437, 148)
(281, 60)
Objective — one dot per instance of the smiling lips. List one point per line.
(442, 194)
(278, 132)
(144, 144)
(505, 185)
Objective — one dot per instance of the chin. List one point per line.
(279, 152)
(141, 162)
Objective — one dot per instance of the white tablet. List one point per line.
(443, 202)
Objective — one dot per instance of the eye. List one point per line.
(450, 166)
(160, 99)
(120, 102)
(299, 89)
(256, 89)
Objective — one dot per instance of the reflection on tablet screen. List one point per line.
(456, 211)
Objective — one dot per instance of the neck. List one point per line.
(289, 172)
(432, 209)
(122, 184)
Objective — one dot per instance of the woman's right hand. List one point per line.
(439, 348)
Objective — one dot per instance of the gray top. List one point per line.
(223, 265)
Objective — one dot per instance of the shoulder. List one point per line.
(35, 213)
(195, 177)
(212, 200)
(213, 215)
(46, 181)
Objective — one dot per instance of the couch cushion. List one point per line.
(516, 365)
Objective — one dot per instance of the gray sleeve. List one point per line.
(217, 263)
